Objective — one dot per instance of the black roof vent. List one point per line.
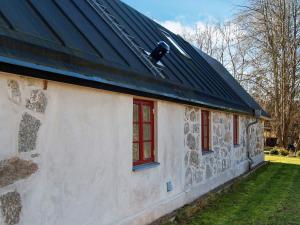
(160, 51)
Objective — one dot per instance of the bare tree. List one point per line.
(272, 27)
(224, 42)
(261, 48)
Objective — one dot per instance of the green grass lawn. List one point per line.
(280, 159)
(271, 195)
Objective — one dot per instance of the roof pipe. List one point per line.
(257, 114)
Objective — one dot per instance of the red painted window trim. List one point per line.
(205, 125)
(235, 129)
(141, 141)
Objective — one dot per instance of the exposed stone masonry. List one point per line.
(15, 169)
(37, 101)
(11, 207)
(224, 156)
(194, 172)
(29, 124)
(28, 132)
(14, 91)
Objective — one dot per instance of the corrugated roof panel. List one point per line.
(228, 78)
(144, 38)
(95, 39)
(3, 21)
(24, 19)
(131, 27)
(63, 26)
(75, 36)
(179, 62)
(111, 37)
(200, 73)
(171, 61)
(211, 75)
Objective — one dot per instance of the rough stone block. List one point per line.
(215, 141)
(198, 176)
(11, 207)
(194, 158)
(208, 172)
(14, 91)
(186, 128)
(37, 101)
(188, 177)
(191, 141)
(28, 132)
(198, 142)
(193, 116)
(218, 132)
(228, 137)
(15, 169)
(186, 159)
(224, 165)
(196, 128)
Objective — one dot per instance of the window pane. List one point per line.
(135, 113)
(204, 118)
(136, 134)
(135, 152)
(147, 150)
(146, 113)
(235, 129)
(205, 143)
(147, 132)
(205, 131)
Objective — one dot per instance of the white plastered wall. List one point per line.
(83, 151)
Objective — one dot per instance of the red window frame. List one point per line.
(205, 126)
(141, 123)
(235, 129)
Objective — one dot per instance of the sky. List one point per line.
(186, 12)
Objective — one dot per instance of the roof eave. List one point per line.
(29, 69)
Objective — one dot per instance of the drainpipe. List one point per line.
(257, 114)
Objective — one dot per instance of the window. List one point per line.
(205, 128)
(143, 132)
(175, 44)
(235, 129)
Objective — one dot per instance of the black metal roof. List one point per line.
(70, 41)
(223, 72)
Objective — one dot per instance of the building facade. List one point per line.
(108, 118)
(81, 141)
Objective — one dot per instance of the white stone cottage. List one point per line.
(99, 127)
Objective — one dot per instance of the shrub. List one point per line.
(298, 153)
(283, 152)
(268, 148)
(274, 151)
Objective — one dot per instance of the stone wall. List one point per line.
(200, 167)
(194, 172)
(26, 101)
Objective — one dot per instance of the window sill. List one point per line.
(145, 166)
(236, 146)
(208, 152)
